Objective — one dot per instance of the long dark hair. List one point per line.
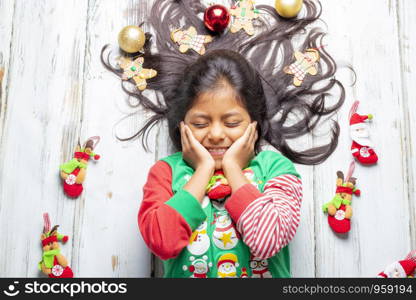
(253, 68)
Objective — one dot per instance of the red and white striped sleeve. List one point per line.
(267, 221)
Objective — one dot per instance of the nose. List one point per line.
(216, 133)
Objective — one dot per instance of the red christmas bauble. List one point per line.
(216, 18)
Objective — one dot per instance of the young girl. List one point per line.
(221, 207)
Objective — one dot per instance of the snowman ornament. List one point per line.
(224, 235)
(199, 267)
(199, 242)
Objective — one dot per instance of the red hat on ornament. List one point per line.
(400, 269)
(357, 119)
(228, 258)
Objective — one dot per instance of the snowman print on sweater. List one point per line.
(227, 266)
(259, 268)
(199, 242)
(199, 267)
(224, 235)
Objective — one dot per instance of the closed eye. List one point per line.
(199, 125)
(234, 124)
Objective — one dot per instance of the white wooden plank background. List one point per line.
(55, 90)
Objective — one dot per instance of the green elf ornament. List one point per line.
(218, 187)
(73, 172)
(53, 263)
(339, 208)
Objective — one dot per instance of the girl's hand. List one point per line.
(193, 152)
(242, 150)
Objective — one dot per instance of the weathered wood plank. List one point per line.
(113, 189)
(370, 44)
(6, 29)
(43, 111)
(406, 21)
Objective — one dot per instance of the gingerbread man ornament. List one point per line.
(134, 69)
(306, 63)
(190, 39)
(244, 13)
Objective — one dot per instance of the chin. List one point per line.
(218, 164)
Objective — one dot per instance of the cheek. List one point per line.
(199, 134)
(235, 133)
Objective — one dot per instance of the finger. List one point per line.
(253, 136)
(247, 133)
(250, 135)
(193, 142)
(184, 139)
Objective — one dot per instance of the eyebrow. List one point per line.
(202, 115)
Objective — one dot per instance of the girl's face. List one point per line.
(217, 120)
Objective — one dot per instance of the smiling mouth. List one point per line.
(217, 151)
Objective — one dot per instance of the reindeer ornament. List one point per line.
(53, 263)
(73, 172)
(339, 208)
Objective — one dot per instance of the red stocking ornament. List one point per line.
(53, 263)
(339, 208)
(362, 146)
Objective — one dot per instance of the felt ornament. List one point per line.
(131, 39)
(134, 69)
(306, 63)
(73, 172)
(218, 187)
(216, 18)
(339, 208)
(190, 39)
(244, 13)
(405, 268)
(362, 146)
(53, 263)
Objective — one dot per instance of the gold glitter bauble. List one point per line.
(131, 39)
(288, 8)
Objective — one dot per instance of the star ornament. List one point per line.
(134, 69)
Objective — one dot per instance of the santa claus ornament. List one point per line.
(362, 147)
(339, 208)
(405, 268)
